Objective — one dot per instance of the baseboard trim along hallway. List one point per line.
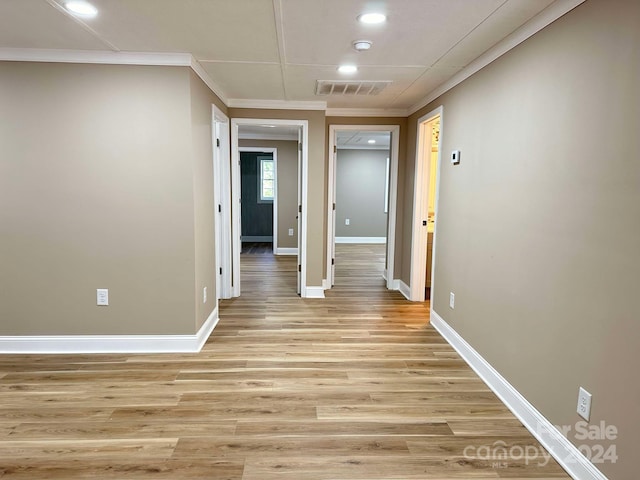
(566, 454)
(87, 344)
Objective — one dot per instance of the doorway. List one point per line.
(259, 194)
(289, 188)
(425, 206)
(339, 220)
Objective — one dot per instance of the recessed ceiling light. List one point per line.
(347, 69)
(372, 18)
(361, 45)
(82, 9)
(371, 141)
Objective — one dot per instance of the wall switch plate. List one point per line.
(584, 403)
(204, 295)
(291, 232)
(452, 300)
(102, 296)
(455, 157)
(346, 221)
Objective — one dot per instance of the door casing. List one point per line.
(420, 205)
(393, 196)
(235, 196)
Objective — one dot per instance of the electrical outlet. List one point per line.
(204, 295)
(291, 232)
(102, 297)
(452, 300)
(584, 403)
(347, 221)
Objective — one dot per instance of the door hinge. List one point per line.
(333, 261)
(219, 208)
(300, 268)
(335, 149)
(217, 142)
(299, 208)
(334, 206)
(220, 270)
(300, 147)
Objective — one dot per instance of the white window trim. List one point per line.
(260, 159)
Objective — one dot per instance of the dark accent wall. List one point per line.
(257, 218)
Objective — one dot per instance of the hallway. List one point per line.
(355, 386)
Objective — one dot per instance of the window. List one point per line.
(267, 179)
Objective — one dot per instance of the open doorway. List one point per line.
(258, 191)
(362, 192)
(428, 161)
(269, 188)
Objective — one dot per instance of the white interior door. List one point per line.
(334, 162)
(222, 199)
(299, 215)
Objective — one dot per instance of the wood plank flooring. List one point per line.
(356, 386)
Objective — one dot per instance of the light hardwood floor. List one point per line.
(356, 386)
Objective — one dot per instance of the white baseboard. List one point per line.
(361, 239)
(326, 285)
(48, 344)
(404, 289)
(314, 292)
(384, 274)
(395, 284)
(565, 452)
(257, 238)
(286, 251)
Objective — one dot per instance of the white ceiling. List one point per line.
(268, 132)
(278, 49)
(352, 139)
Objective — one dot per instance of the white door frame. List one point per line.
(393, 196)
(274, 153)
(421, 204)
(222, 199)
(303, 175)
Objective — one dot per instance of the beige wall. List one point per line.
(360, 192)
(287, 181)
(204, 209)
(539, 225)
(316, 238)
(97, 190)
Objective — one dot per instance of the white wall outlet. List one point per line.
(455, 157)
(291, 232)
(204, 295)
(347, 221)
(102, 296)
(584, 403)
(452, 300)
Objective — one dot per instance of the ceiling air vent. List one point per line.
(341, 87)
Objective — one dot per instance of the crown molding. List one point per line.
(112, 58)
(95, 56)
(367, 112)
(276, 104)
(549, 15)
(206, 78)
